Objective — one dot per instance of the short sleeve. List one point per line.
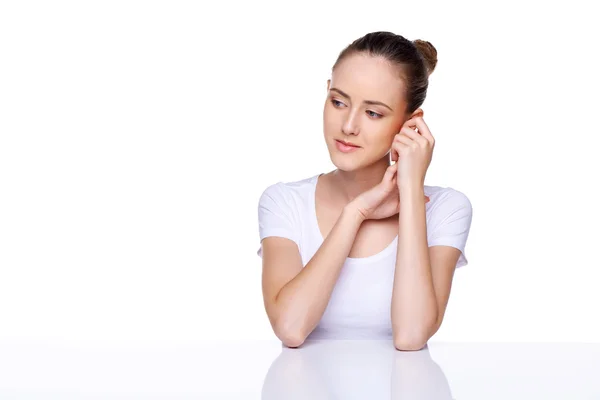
(452, 223)
(275, 215)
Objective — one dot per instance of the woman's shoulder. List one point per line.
(446, 197)
(441, 190)
(295, 188)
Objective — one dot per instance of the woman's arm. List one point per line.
(300, 303)
(414, 305)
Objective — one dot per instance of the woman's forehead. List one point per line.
(368, 77)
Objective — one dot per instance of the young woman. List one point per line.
(366, 251)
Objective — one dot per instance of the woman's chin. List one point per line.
(344, 164)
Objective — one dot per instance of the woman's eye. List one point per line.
(372, 114)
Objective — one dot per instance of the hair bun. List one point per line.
(428, 52)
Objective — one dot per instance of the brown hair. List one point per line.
(416, 61)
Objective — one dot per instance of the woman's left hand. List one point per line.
(413, 151)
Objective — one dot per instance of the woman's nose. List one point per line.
(350, 125)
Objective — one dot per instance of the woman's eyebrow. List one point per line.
(374, 102)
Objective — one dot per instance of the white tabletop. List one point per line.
(316, 370)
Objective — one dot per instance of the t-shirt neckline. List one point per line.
(349, 260)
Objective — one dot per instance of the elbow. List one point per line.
(291, 339)
(413, 339)
(290, 336)
(408, 343)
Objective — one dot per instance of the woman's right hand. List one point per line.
(382, 200)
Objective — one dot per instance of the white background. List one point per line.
(137, 137)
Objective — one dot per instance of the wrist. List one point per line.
(411, 187)
(354, 213)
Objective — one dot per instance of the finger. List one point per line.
(394, 171)
(403, 139)
(424, 130)
(399, 144)
(411, 134)
(390, 172)
(393, 155)
(410, 123)
(387, 183)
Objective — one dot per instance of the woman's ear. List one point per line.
(418, 113)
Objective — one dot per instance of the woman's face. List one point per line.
(364, 107)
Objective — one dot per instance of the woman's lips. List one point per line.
(344, 148)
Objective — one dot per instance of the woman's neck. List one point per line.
(349, 184)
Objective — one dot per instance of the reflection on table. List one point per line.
(354, 369)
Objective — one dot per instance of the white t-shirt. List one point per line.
(360, 304)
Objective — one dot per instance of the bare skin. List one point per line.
(357, 204)
(372, 127)
(373, 236)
